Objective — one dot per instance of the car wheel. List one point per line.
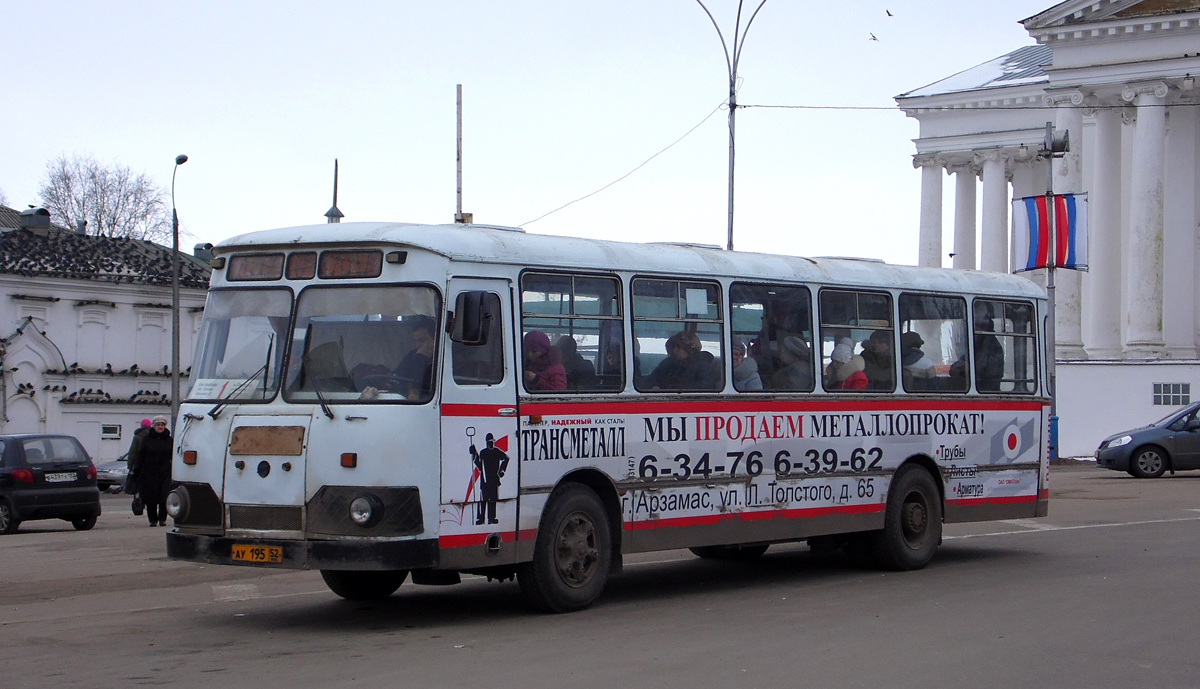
(735, 553)
(1148, 462)
(360, 585)
(912, 525)
(572, 555)
(8, 520)
(83, 523)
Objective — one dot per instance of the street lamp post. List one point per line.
(179, 160)
(731, 64)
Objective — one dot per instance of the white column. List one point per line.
(1102, 283)
(930, 249)
(1180, 220)
(1144, 290)
(1068, 179)
(964, 217)
(993, 254)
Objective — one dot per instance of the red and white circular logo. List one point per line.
(1011, 440)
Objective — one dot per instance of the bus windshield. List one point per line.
(363, 344)
(240, 349)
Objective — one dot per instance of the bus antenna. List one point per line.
(333, 214)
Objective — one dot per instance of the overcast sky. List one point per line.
(560, 99)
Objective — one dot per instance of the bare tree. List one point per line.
(3, 198)
(114, 201)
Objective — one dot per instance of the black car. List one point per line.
(1170, 444)
(46, 477)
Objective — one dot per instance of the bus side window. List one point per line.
(677, 338)
(772, 338)
(481, 364)
(1005, 347)
(933, 343)
(580, 317)
(858, 341)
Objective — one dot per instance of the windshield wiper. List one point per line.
(317, 389)
(216, 410)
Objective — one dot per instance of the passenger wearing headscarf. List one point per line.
(745, 368)
(796, 373)
(543, 368)
(845, 371)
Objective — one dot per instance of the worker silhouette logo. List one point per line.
(490, 464)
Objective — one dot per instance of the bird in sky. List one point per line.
(873, 37)
(889, 13)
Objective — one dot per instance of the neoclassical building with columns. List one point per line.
(1120, 77)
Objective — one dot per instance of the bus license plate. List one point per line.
(60, 477)
(265, 554)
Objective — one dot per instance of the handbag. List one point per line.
(137, 505)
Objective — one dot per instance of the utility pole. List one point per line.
(731, 65)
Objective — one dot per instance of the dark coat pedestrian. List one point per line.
(152, 467)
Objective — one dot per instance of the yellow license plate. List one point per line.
(263, 554)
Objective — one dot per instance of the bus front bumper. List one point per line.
(305, 554)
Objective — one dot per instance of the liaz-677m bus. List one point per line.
(378, 401)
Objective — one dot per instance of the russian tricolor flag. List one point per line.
(1031, 236)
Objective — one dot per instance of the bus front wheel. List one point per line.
(363, 585)
(912, 527)
(573, 553)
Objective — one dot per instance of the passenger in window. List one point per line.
(416, 368)
(880, 366)
(543, 369)
(687, 366)
(796, 370)
(581, 374)
(745, 368)
(918, 368)
(989, 354)
(845, 371)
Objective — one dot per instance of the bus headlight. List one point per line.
(178, 504)
(365, 510)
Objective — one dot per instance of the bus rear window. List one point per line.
(255, 267)
(350, 264)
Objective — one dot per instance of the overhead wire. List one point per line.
(707, 117)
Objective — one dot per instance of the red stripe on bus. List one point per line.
(469, 539)
(709, 520)
(673, 407)
(976, 502)
(474, 409)
(1043, 494)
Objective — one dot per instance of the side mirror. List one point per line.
(472, 319)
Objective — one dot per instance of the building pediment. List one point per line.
(1075, 13)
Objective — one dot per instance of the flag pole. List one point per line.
(1053, 145)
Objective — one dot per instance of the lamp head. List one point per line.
(180, 159)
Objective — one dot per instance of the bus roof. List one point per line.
(513, 246)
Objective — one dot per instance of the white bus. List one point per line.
(382, 400)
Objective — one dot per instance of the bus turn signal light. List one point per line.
(349, 459)
(189, 457)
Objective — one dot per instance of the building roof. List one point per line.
(1020, 67)
(54, 252)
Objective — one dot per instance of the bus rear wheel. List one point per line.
(734, 553)
(363, 585)
(573, 553)
(912, 526)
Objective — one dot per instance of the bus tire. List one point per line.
(572, 555)
(364, 585)
(912, 525)
(730, 553)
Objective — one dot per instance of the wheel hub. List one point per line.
(576, 554)
(915, 519)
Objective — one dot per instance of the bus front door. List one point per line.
(480, 462)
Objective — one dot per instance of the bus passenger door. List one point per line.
(480, 463)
